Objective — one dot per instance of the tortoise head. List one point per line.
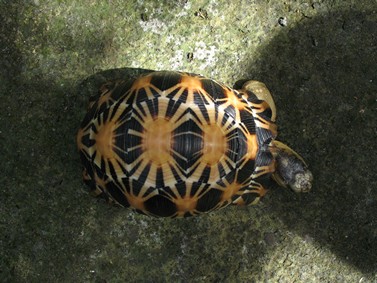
(291, 170)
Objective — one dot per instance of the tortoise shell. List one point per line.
(177, 144)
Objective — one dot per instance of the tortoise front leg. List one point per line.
(261, 92)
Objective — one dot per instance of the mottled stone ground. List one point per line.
(318, 58)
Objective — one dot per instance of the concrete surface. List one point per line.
(319, 60)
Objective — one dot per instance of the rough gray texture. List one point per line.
(319, 60)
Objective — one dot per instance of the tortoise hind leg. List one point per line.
(249, 195)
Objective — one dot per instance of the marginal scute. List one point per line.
(186, 204)
(136, 202)
(191, 83)
(141, 83)
(230, 190)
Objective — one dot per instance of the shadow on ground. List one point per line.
(323, 75)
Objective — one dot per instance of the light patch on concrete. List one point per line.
(185, 10)
(206, 54)
(153, 25)
(176, 61)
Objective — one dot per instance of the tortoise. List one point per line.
(176, 144)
